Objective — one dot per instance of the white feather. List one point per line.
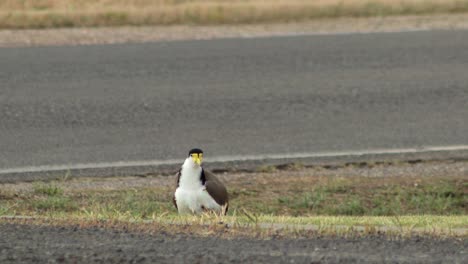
(191, 195)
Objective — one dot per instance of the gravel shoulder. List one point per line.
(408, 169)
(89, 36)
(40, 244)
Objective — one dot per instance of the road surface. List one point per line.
(62, 106)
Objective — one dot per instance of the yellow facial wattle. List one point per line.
(197, 158)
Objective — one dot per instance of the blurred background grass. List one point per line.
(21, 14)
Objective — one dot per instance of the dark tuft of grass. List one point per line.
(54, 204)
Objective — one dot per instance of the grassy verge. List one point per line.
(265, 201)
(87, 13)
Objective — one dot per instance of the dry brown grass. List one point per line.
(233, 228)
(83, 13)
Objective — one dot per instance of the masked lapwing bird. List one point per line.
(199, 190)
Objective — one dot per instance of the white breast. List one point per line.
(191, 196)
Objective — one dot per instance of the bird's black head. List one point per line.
(195, 151)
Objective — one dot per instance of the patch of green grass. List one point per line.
(308, 200)
(135, 203)
(385, 205)
(359, 196)
(4, 209)
(351, 206)
(54, 204)
(49, 189)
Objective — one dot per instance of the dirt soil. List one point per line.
(42, 244)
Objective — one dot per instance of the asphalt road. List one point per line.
(130, 102)
(36, 244)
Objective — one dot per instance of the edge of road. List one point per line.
(247, 163)
(145, 34)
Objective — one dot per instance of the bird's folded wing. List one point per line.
(216, 188)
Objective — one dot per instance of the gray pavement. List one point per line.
(42, 244)
(132, 102)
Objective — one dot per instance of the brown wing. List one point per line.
(216, 189)
(177, 185)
